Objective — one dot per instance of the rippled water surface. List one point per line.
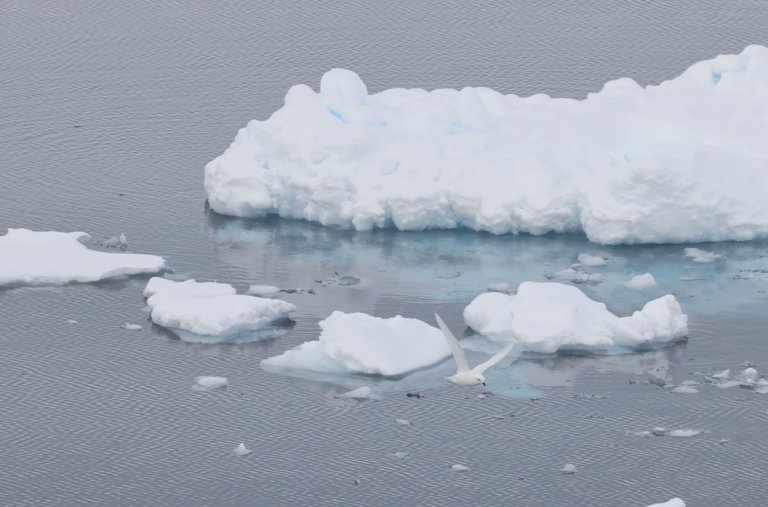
(109, 111)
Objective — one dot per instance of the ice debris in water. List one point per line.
(722, 375)
(575, 276)
(568, 469)
(242, 450)
(49, 257)
(361, 393)
(700, 256)
(459, 468)
(641, 282)
(119, 241)
(659, 431)
(403, 422)
(399, 454)
(653, 166)
(686, 387)
(71, 321)
(548, 317)
(362, 343)
(675, 502)
(265, 291)
(203, 312)
(209, 382)
(131, 327)
(340, 280)
(685, 433)
(498, 287)
(586, 259)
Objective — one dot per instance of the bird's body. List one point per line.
(466, 376)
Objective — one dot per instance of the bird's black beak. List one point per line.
(483, 383)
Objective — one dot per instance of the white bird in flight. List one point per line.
(464, 375)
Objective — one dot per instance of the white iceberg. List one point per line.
(242, 450)
(361, 343)
(204, 312)
(53, 258)
(641, 282)
(675, 502)
(682, 161)
(551, 317)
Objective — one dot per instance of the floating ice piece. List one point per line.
(750, 374)
(54, 258)
(700, 256)
(687, 387)
(653, 166)
(361, 343)
(722, 375)
(685, 433)
(568, 469)
(498, 287)
(399, 454)
(208, 382)
(575, 276)
(131, 327)
(242, 450)
(658, 431)
(71, 321)
(547, 317)
(459, 468)
(403, 422)
(586, 259)
(212, 312)
(118, 241)
(641, 282)
(361, 393)
(675, 502)
(265, 291)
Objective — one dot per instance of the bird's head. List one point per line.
(480, 379)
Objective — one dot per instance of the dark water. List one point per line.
(108, 113)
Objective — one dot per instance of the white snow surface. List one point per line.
(362, 343)
(52, 258)
(210, 311)
(547, 317)
(679, 162)
(675, 502)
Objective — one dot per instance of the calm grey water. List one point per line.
(108, 113)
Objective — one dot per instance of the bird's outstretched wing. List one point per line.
(498, 356)
(453, 344)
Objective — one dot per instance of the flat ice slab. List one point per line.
(203, 312)
(682, 161)
(361, 343)
(675, 502)
(551, 317)
(54, 258)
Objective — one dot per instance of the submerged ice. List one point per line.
(49, 257)
(682, 161)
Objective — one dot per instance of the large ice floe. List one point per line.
(552, 317)
(362, 343)
(48, 257)
(682, 161)
(210, 312)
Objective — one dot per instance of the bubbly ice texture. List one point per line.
(551, 317)
(679, 162)
(53, 258)
(210, 312)
(362, 343)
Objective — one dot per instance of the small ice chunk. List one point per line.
(575, 276)
(568, 469)
(347, 280)
(71, 321)
(242, 450)
(208, 383)
(722, 375)
(685, 389)
(685, 433)
(498, 287)
(675, 502)
(641, 282)
(361, 393)
(586, 259)
(265, 291)
(131, 327)
(658, 431)
(459, 468)
(403, 422)
(119, 241)
(399, 454)
(700, 256)
(751, 374)
(723, 441)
